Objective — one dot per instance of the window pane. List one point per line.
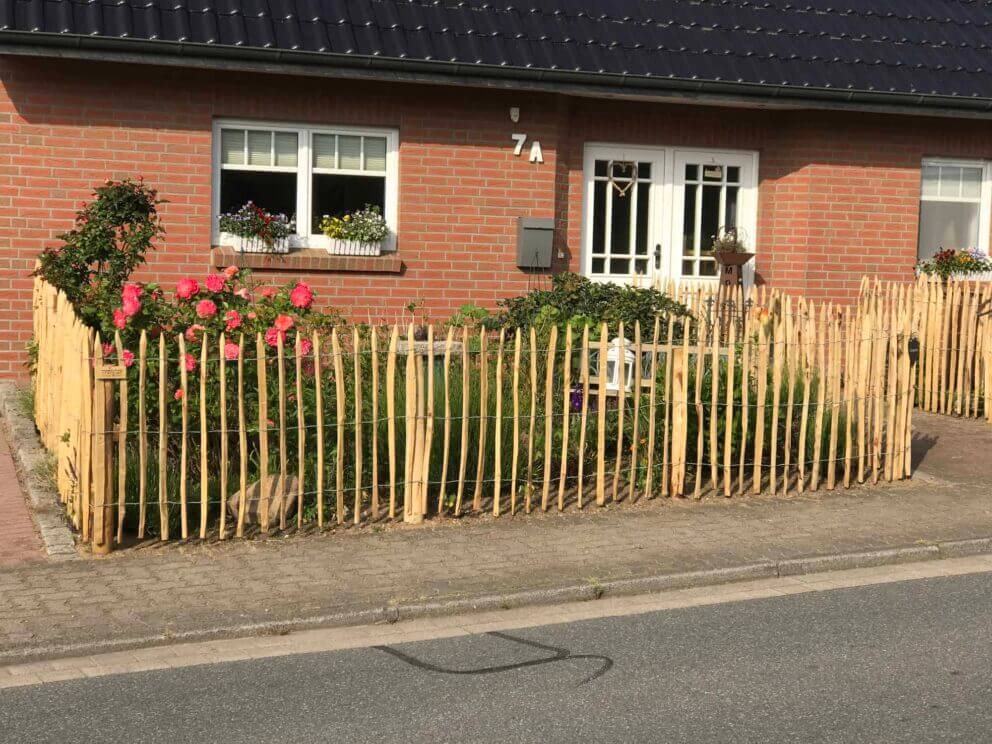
(350, 149)
(324, 149)
(259, 148)
(620, 225)
(971, 183)
(620, 266)
(375, 153)
(710, 217)
(232, 146)
(287, 148)
(275, 192)
(688, 268)
(337, 195)
(950, 181)
(692, 173)
(643, 213)
(733, 174)
(931, 180)
(641, 266)
(600, 168)
(689, 222)
(599, 216)
(707, 268)
(947, 225)
(730, 220)
(597, 265)
(644, 171)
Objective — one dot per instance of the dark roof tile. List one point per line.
(906, 46)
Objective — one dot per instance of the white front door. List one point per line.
(624, 201)
(652, 213)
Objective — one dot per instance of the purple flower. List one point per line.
(575, 399)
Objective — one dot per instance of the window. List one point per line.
(954, 202)
(306, 174)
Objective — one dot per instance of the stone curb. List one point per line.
(587, 591)
(31, 458)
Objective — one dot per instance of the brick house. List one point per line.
(843, 138)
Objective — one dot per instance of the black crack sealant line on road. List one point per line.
(560, 654)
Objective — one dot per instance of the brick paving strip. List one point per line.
(221, 590)
(32, 522)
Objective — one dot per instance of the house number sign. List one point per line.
(520, 139)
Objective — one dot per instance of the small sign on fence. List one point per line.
(109, 372)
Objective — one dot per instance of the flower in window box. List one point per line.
(258, 230)
(359, 233)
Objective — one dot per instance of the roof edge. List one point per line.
(329, 64)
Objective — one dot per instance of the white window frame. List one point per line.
(665, 227)
(984, 201)
(305, 170)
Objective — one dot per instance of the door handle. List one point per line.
(657, 256)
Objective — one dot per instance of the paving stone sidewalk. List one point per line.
(174, 590)
(19, 539)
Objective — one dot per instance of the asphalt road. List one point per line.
(901, 662)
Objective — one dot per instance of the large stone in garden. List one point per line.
(270, 488)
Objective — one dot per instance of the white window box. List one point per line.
(254, 245)
(338, 247)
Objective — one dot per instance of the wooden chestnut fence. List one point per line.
(953, 325)
(361, 425)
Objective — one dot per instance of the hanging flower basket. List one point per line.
(341, 247)
(255, 244)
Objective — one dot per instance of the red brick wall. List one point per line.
(837, 197)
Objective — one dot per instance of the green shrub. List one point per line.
(575, 300)
(110, 238)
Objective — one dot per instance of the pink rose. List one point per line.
(190, 363)
(120, 318)
(273, 335)
(186, 288)
(231, 271)
(283, 322)
(192, 331)
(252, 315)
(108, 349)
(128, 358)
(131, 306)
(305, 346)
(243, 293)
(178, 395)
(233, 318)
(301, 296)
(267, 292)
(131, 290)
(231, 351)
(206, 308)
(216, 282)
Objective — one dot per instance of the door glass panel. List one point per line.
(709, 217)
(599, 215)
(643, 213)
(711, 204)
(621, 217)
(689, 221)
(620, 224)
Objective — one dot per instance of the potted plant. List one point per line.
(948, 263)
(253, 229)
(729, 249)
(359, 233)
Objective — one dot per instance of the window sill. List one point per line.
(307, 259)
